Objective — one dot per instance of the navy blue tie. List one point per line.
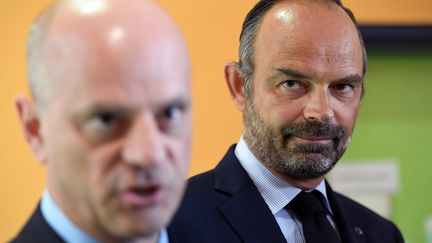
(313, 216)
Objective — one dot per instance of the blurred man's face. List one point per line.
(307, 87)
(116, 127)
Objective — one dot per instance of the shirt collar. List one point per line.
(163, 236)
(68, 231)
(276, 192)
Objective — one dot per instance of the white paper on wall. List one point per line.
(428, 229)
(371, 183)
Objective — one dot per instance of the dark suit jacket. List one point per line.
(224, 206)
(37, 230)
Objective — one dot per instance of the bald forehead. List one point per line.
(114, 36)
(308, 14)
(318, 38)
(302, 22)
(111, 21)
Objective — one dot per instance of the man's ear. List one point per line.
(235, 82)
(30, 124)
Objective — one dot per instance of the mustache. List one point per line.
(313, 129)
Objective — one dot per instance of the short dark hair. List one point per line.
(249, 32)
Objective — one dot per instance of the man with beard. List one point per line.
(109, 118)
(299, 83)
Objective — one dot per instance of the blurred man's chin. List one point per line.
(134, 229)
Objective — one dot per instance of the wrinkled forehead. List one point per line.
(304, 20)
(309, 30)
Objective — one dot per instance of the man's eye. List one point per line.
(104, 126)
(343, 87)
(172, 113)
(170, 118)
(292, 84)
(104, 121)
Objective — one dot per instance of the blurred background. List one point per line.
(395, 121)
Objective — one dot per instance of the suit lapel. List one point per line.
(37, 230)
(349, 230)
(246, 211)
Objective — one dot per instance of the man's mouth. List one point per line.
(142, 196)
(312, 140)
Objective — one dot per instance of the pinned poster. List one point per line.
(428, 229)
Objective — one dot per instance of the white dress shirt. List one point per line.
(277, 193)
(67, 230)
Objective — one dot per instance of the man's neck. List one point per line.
(302, 183)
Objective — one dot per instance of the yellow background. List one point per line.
(211, 29)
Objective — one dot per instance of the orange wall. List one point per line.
(211, 29)
(391, 11)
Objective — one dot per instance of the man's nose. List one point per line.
(318, 106)
(144, 143)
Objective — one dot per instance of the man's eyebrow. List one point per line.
(82, 114)
(292, 73)
(350, 79)
(182, 101)
(114, 108)
(353, 79)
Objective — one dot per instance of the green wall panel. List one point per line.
(395, 121)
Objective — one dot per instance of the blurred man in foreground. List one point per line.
(110, 119)
(299, 84)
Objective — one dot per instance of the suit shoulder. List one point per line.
(201, 190)
(37, 230)
(358, 209)
(200, 180)
(199, 210)
(374, 224)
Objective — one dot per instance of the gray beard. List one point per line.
(275, 148)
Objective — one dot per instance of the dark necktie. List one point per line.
(312, 214)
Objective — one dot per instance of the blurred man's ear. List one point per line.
(235, 83)
(30, 125)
